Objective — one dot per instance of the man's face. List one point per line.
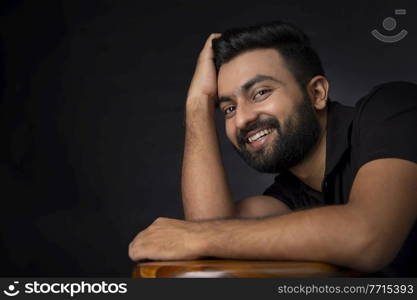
(269, 118)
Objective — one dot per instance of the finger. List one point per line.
(211, 38)
(136, 252)
(137, 246)
(208, 50)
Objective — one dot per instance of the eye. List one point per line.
(261, 93)
(228, 110)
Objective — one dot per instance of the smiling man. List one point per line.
(346, 186)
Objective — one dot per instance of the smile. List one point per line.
(259, 135)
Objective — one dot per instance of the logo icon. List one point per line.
(390, 24)
(11, 289)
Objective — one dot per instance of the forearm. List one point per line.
(331, 234)
(205, 191)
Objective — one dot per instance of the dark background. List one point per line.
(92, 101)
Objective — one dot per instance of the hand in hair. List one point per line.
(204, 82)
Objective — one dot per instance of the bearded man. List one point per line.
(346, 186)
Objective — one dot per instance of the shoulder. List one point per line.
(388, 98)
(385, 121)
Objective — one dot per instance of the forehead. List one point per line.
(247, 65)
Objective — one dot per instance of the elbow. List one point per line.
(369, 247)
(372, 254)
(370, 262)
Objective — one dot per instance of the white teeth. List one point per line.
(259, 134)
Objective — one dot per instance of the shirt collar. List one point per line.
(339, 120)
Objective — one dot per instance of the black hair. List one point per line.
(290, 42)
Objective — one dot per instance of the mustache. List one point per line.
(270, 122)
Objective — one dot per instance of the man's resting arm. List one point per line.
(364, 234)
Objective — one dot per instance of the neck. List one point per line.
(311, 169)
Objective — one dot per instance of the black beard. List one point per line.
(293, 141)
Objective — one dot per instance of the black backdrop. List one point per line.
(92, 101)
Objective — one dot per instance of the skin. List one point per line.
(262, 227)
(276, 97)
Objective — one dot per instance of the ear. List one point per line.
(318, 89)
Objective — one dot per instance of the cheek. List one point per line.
(279, 107)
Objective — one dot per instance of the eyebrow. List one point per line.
(246, 86)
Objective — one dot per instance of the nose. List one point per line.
(245, 114)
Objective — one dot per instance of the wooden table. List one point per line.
(238, 269)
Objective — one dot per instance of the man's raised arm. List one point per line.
(205, 191)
